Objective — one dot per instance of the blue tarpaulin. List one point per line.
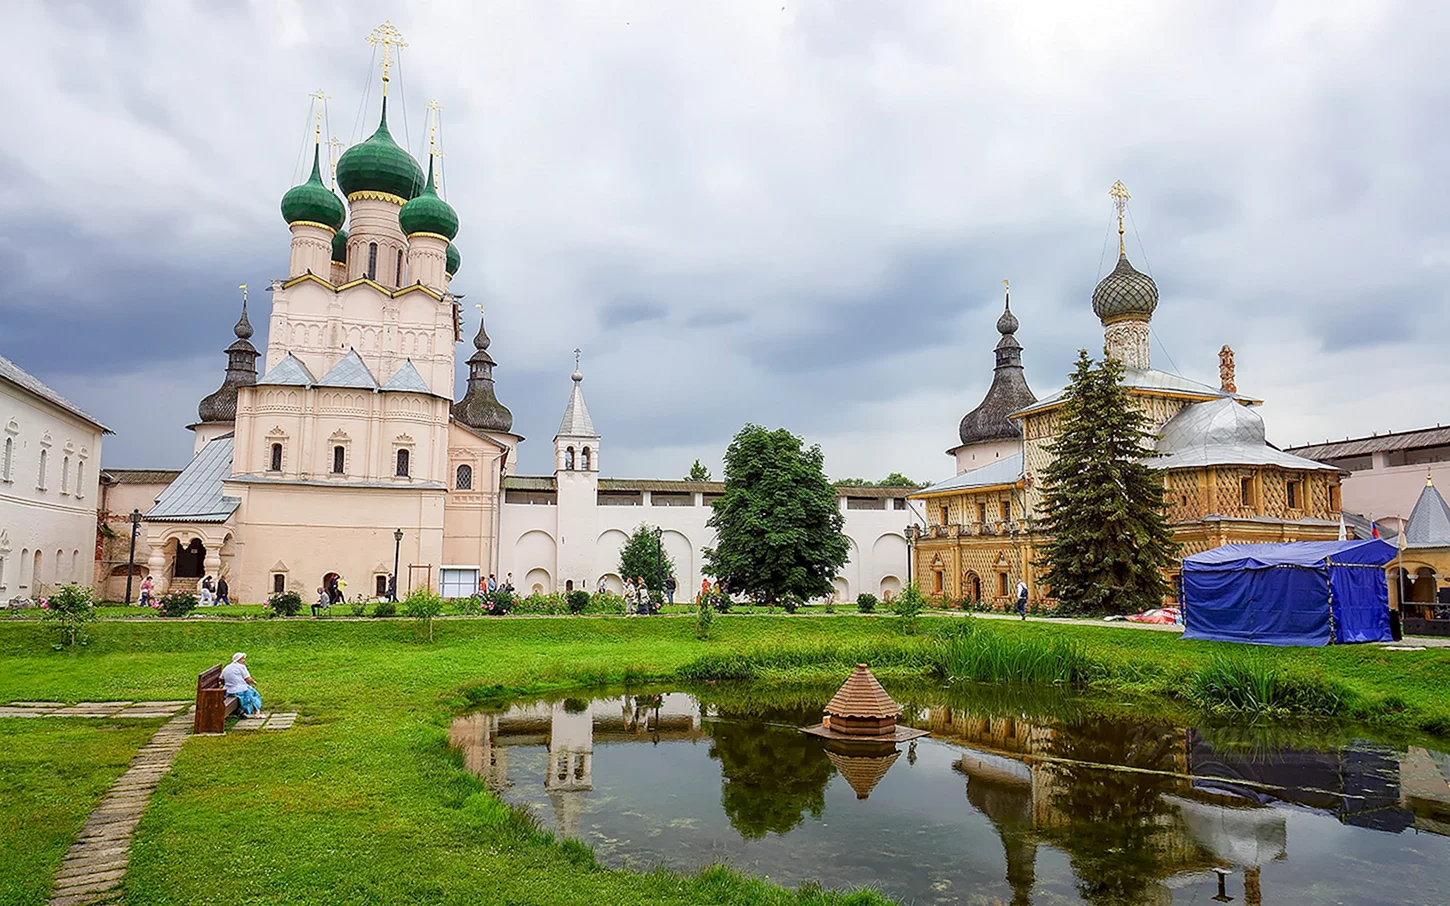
(1285, 594)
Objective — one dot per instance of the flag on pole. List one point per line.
(1374, 529)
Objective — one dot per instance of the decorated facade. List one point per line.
(1225, 482)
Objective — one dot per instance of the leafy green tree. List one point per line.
(644, 555)
(897, 480)
(778, 526)
(423, 605)
(698, 472)
(1108, 541)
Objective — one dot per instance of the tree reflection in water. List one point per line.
(771, 776)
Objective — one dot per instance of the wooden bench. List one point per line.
(212, 702)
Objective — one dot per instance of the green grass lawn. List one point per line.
(53, 772)
(363, 802)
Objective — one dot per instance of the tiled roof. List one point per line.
(408, 380)
(196, 494)
(288, 372)
(1429, 524)
(349, 372)
(528, 483)
(1147, 380)
(862, 696)
(576, 421)
(140, 476)
(863, 772)
(26, 381)
(1007, 470)
(1380, 443)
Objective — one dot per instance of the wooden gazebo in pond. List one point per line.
(861, 712)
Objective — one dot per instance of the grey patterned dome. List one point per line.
(1007, 323)
(1219, 423)
(1125, 293)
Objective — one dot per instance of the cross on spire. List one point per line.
(434, 151)
(389, 37)
(243, 288)
(1119, 193)
(334, 143)
(318, 109)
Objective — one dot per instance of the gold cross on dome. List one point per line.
(321, 98)
(389, 37)
(243, 288)
(434, 151)
(334, 143)
(1119, 193)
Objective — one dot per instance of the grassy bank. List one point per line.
(362, 801)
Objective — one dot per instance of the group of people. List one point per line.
(208, 593)
(492, 584)
(637, 597)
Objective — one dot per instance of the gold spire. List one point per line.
(1429, 479)
(389, 37)
(433, 150)
(318, 109)
(243, 286)
(333, 144)
(1119, 193)
(1007, 293)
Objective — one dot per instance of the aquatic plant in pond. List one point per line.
(990, 656)
(1250, 682)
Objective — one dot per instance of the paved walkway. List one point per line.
(149, 710)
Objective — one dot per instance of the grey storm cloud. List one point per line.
(740, 212)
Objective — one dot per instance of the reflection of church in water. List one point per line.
(568, 730)
(1169, 805)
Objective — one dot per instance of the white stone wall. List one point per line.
(974, 456)
(47, 522)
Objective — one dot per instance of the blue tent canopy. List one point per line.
(1294, 593)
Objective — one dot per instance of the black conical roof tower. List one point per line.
(221, 406)
(1008, 393)
(479, 407)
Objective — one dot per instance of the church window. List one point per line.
(946, 516)
(1291, 494)
(586, 459)
(982, 513)
(279, 583)
(9, 458)
(65, 475)
(402, 470)
(2, 572)
(463, 480)
(936, 582)
(1003, 584)
(380, 585)
(1246, 492)
(569, 459)
(372, 261)
(80, 479)
(40, 481)
(399, 279)
(276, 464)
(339, 455)
(1006, 510)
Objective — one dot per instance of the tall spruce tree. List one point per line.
(778, 525)
(1103, 504)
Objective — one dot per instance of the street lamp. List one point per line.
(397, 546)
(660, 561)
(131, 560)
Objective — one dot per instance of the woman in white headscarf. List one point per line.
(237, 680)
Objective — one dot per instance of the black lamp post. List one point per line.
(397, 546)
(131, 560)
(660, 559)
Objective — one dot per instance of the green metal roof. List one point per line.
(313, 201)
(428, 213)
(378, 164)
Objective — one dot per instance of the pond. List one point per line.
(1013, 798)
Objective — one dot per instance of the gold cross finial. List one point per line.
(334, 143)
(389, 37)
(1119, 193)
(433, 150)
(243, 286)
(321, 98)
(479, 306)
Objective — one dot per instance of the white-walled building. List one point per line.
(50, 453)
(566, 530)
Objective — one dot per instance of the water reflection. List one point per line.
(1056, 807)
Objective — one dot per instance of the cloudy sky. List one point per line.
(793, 212)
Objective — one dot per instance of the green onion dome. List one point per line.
(451, 263)
(339, 247)
(428, 213)
(312, 201)
(377, 164)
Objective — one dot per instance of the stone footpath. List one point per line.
(93, 709)
(95, 864)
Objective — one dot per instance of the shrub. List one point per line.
(385, 608)
(992, 657)
(703, 619)
(283, 604)
(174, 604)
(866, 602)
(606, 602)
(423, 605)
(496, 603)
(831, 606)
(720, 600)
(577, 600)
(549, 604)
(790, 602)
(70, 607)
(908, 605)
(359, 608)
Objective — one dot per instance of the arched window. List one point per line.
(338, 455)
(40, 481)
(586, 459)
(463, 480)
(402, 471)
(372, 261)
(276, 464)
(65, 475)
(9, 458)
(569, 459)
(80, 478)
(399, 279)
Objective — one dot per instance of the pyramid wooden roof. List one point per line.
(862, 772)
(862, 696)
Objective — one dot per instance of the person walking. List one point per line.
(203, 593)
(631, 602)
(223, 593)
(670, 586)
(334, 591)
(508, 583)
(1022, 599)
(145, 600)
(646, 605)
(492, 582)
